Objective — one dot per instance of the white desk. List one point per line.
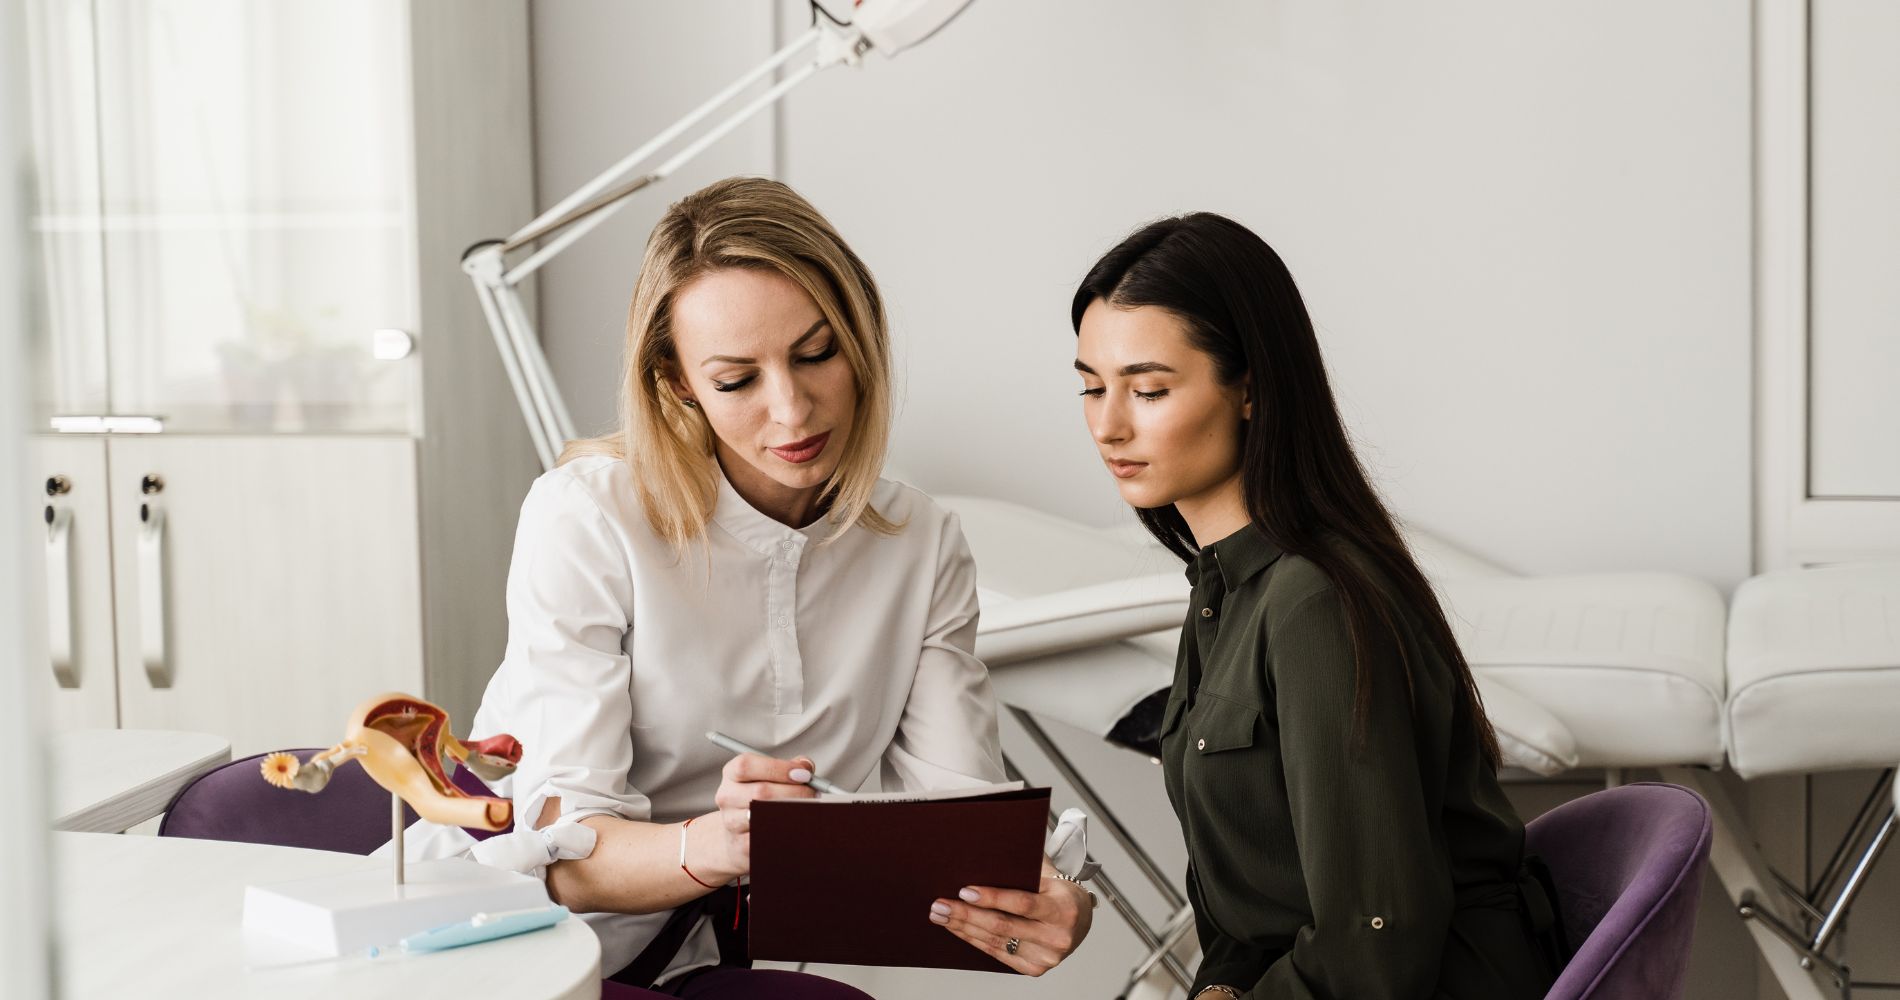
(162, 917)
(108, 780)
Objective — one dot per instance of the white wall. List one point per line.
(1524, 234)
(608, 76)
(1522, 230)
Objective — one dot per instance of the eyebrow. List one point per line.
(809, 333)
(1138, 368)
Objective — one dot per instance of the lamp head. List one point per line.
(892, 26)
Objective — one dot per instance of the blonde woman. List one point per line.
(730, 560)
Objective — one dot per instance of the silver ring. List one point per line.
(1012, 945)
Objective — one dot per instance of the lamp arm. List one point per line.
(583, 220)
(577, 205)
(886, 25)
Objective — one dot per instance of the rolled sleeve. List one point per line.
(947, 736)
(567, 676)
(1370, 850)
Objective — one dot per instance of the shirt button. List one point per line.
(1207, 612)
(1200, 744)
(784, 622)
(1378, 922)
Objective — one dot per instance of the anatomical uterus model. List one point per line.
(400, 740)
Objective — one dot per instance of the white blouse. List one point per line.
(856, 653)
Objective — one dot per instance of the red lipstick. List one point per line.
(800, 452)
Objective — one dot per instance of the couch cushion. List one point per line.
(1631, 663)
(1814, 670)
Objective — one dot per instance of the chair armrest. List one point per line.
(1013, 630)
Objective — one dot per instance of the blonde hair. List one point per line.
(743, 222)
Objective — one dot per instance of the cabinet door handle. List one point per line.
(59, 594)
(152, 595)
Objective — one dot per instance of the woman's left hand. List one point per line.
(1046, 925)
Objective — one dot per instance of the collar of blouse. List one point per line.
(757, 531)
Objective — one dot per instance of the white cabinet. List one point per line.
(249, 224)
(1827, 154)
(71, 551)
(1854, 251)
(226, 211)
(253, 587)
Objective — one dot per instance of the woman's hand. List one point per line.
(1046, 925)
(725, 848)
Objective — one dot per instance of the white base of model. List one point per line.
(335, 915)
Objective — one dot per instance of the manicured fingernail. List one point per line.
(968, 895)
(940, 909)
(748, 815)
(800, 775)
(938, 918)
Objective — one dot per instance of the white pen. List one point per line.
(728, 743)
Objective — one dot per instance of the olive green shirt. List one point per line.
(1326, 862)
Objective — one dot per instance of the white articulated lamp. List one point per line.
(884, 26)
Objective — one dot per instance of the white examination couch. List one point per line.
(1610, 671)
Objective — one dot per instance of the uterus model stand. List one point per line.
(401, 742)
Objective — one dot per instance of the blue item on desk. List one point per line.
(484, 927)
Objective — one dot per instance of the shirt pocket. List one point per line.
(1219, 725)
(1171, 716)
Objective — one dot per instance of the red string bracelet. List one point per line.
(689, 871)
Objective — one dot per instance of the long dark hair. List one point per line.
(1298, 473)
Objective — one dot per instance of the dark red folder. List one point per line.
(851, 883)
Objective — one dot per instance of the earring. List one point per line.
(690, 404)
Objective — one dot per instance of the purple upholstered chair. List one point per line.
(350, 815)
(1628, 864)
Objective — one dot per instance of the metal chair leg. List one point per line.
(1099, 809)
(1160, 944)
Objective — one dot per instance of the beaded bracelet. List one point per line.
(1093, 902)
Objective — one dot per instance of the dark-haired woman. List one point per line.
(1324, 746)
